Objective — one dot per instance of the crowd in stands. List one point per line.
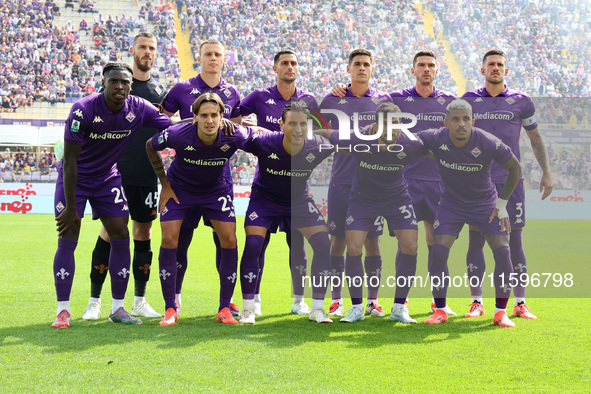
(547, 41)
(23, 166)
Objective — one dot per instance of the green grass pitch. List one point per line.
(282, 352)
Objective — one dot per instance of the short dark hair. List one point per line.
(296, 106)
(144, 34)
(360, 52)
(425, 52)
(211, 41)
(387, 107)
(284, 52)
(207, 98)
(493, 52)
(117, 66)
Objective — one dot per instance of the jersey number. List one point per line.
(151, 200)
(312, 208)
(225, 201)
(405, 211)
(519, 208)
(118, 194)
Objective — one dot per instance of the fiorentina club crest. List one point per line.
(130, 117)
(332, 225)
(227, 93)
(476, 152)
(225, 147)
(510, 100)
(350, 220)
(376, 100)
(401, 155)
(436, 224)
(310, 158)
(441, 100)
(253, 216)
(60, 207)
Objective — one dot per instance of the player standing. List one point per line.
(464, 155)
(196, 180)
(363, 100)
(212, 57)
(98, 129)
(503, 112)
(280, 197)
(268, 104)
(141, 189)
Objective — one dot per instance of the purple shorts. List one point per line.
(106, 197)
(368, 216)
(301, 213)
(425, 197)
(338, 206)
(516, 204)
(192, 218)
(215, 206)
(450, 219)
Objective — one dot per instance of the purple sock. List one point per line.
(167, 269)
(64, 268)
(320, 264)
(297, 261)
(354, 271)
(475, 262)
(503, 270)
(227, 271)
(182, 256)
(373, 268)
(262, 262)
(518, 260)
(119, 264)
(406, 268)
(337, 267)
(249, 265)
(218, 250)
(439, 274)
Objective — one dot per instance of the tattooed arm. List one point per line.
(156, 160)
(537, 144)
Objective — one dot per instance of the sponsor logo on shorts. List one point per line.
(253, 216)
(519, 221)
(60, 207)
(153, 213)
(125, 208)
(164, 211)
(130, 117)
(270, 101)
(350, 220)
(476, 152)
(320, 218)
(414, 222)
(436, 224)
(225, 147)
(310, 158)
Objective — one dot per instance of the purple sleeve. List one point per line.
(170, 103)
(75, 129)
(255, 144)
(245, 133)
(501, 152)
(426, 138)
(248, 105)
(153, 118)
(161, 140)
(528, 119)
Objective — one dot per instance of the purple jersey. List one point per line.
(343, 166)
(430, 113)
(378, 175)
(182, 96)
(103, 134)
(198, 167)
(281, 176)
(503, 117)
(268, 105)
(465, 171)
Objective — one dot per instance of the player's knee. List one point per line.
(409, 248)
(354, 249)
(372, 246)
(228, 241)
(337, 246)
(169, 241)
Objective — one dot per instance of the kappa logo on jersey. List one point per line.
(441, 100)
(350, 220)
(343, 101)
(227, 93)
(478, 100)
(225, 147)
(75, 126)
(476, 152)
(273, 156)
(497, 143)
(79, 114)
(332, 225)
(130, 117)
(60, 207)
(190, 148)
(401, 155)
(253, 216)
(270, 101)
(195, 91)
(444, 147)
(97, 119)
(510, 100)
(310, 158)
(436, 224)
(409, 99)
